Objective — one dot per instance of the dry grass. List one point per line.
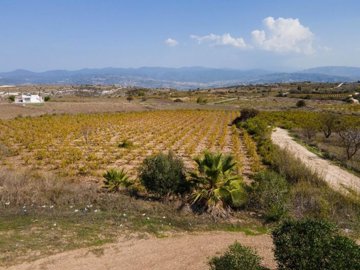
(32, 189)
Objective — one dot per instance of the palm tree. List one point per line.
(217, 187)
(114, 180)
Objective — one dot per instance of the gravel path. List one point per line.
(178, 252)
(336, 177)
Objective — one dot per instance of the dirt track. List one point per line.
(186, 251)
(336, 177)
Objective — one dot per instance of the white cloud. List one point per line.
(225, 39)
(284, 35)
(171, 42)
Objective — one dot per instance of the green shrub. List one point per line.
(301, 103)
(11, 98)
(164, 174)
(245, 114)
(47, 98)
(257, 127)
(201, 100)
(114, 180)
(269, 192)
(314, 244)
(237, 257)
(309, 201)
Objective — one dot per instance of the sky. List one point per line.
(280, 35)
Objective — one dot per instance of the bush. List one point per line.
(245, 114)
(163, 174)
(237, 257)
(178, 100)
(309, 201)
(314, 244)
(11, 98)
(47, 98)
(301, 103)
(269, 192)
(201, 100)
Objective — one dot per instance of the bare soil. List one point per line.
(182, 251)
(336, 177)
(9, 111)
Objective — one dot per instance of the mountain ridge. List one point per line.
(181, 78)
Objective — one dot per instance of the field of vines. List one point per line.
(89, 144)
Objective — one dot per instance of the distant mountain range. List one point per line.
(181, 78)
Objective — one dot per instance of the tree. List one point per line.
(350, 139)
(217, 187)
(328, 123)
(309, 129)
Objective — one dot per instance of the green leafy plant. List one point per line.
(269, 192)
(114, 180)
(314, 244)
(216, 186)
(163, 174)
(237, 257)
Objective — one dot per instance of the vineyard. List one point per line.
(86, 145)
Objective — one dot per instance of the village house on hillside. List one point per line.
(28, 98)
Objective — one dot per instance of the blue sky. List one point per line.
(280, 35)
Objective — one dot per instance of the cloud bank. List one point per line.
(284, 35)
(281, 35)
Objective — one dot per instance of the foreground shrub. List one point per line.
(216, 185)
(269, 192)
(237, 257)
(163, 174)
(114, 180)
(314, 244)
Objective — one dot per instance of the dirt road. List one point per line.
(185, 251)
(336, 177)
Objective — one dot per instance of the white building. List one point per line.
(27, 98)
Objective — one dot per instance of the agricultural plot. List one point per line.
(86, 145)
